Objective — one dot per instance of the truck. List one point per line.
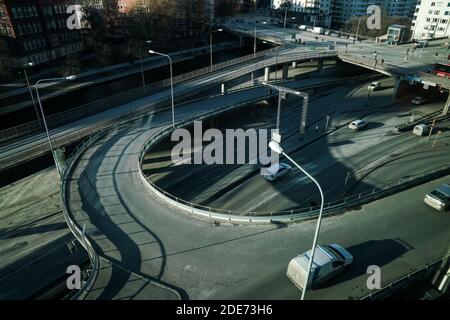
(318, 30)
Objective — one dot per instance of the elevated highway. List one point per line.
(37, 145)
(138, 233)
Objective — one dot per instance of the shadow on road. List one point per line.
(372, 252)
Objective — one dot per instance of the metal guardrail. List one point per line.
(76, 230)
(73, 136)
(136, 93)
(403, 282)
(278, 216)
(73, 226)
(427, 118)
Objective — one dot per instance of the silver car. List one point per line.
(277, 171)
(419, 100)
(357, 125)
(439, 198)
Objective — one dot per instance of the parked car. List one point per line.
(329, 261)
(302, 27)
(376, 85)
(357, 125)
(419, 100)
(439, 198)
(421, 130)
(277, 171)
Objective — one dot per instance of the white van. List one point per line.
(329, 261)
(421, 130)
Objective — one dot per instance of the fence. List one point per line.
(78, 232)
(72, 135)
(427, 118)
(117, 99)
(280, 216)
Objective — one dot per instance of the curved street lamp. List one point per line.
(275, 147)
(211, 46)
(171, 82)
(36, 86)
(24, 67)
(142, 61)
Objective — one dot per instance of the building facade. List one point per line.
(343, 10)
(37, 31)
(431, 19)
(315, 12)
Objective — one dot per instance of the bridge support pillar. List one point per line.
(397, 87)
(294, 64)
(266, 74)
(319, 64)
(447, 106)
(223, 88)
(59, 155)
(285, 71)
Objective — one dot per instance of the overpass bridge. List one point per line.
(394, 61)
(188, 85)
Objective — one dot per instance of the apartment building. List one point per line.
(431, 19)
(314, 12)
(343, 10)
(36, 30)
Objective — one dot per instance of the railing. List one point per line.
(427, 118)
(76, 230)
(73, 136)
(278, 216)
(117, 99)
(418, 274)
(295, 214)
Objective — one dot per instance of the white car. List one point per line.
(374, 86)
(419, 100)
(277, 171)
(439, 198)
(329, 261)
(421, 130)
(357, 125)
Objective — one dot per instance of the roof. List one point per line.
(321, 257)
(445, 189)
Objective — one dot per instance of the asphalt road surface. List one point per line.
(202, 261)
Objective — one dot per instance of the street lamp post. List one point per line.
(254, 39)
(275, 146)
(375, 55)
(36, 87)
(25, 66)
(276, 58)
(142, 62)
(211, 46)
(171, 82)
(357, 30)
